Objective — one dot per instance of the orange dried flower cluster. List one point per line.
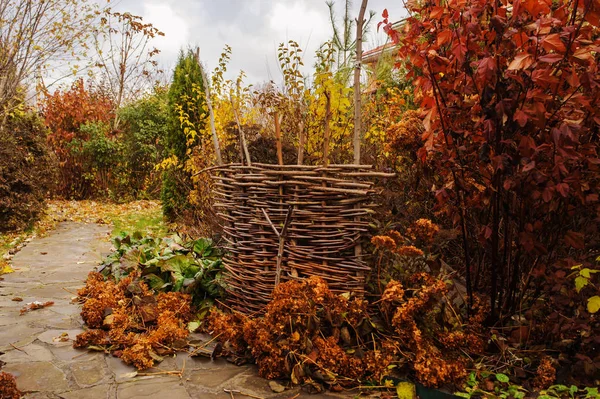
(393, 242)
(545, 374)
(384, 242)
(406, 134)
(394, 292)
(127, 319)
(424, 230)
(313, 336)
(455, 340)
(8, 386)
(409, 250)
(304, 334)
(432, 366)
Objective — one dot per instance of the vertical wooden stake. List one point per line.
(357, 67)
(210, 110)
(327, 129)
(242, 135)
(301, 139)
(278, 138)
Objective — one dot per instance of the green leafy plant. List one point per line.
(169, 264)
(563, 391)
(490, 385)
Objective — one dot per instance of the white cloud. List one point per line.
(174, 26)
(253, 29)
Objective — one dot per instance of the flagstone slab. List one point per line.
(156, 388)
(37, 376)
(96, 392)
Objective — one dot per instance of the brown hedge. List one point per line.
(27, 171)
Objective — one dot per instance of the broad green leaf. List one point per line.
(573, 390)
(502, 377)
(591, 392)
(593, 304)
(201, 246)
(176, 264)
(154, 281)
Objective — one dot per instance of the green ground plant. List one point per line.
(169, 264)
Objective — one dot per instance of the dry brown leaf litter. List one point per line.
(312, 336)
(129, 321)
(8, 386)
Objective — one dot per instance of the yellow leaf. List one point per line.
(593, 304)
(406, 390)
(6, 269)
(580, 282)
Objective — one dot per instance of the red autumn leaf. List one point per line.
(550, 58)
(444, 37)
(593, 17)
(552, 42)
(575, 239)
(536, 7)
(521, 61)
(563, 189)
(591, 198)
(486, 69)
(436, 12)
(583, 54)
(487, 232)
(527, 241)
(529, 166)
(459, 49)
(521, 118)
(548, 194)
(385, 13)
(520, 38)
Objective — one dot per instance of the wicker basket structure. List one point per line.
(285, 222)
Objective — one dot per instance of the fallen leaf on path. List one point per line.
(35, 306)
(276, 387)
(17, 299)
(64, 337)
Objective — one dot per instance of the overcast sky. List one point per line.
(253, 29)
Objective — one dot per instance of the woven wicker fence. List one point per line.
(283, 222)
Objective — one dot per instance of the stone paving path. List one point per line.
(37, 346)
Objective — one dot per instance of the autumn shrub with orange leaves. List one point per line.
(65, 113)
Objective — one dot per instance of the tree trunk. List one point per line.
(210, 110)
(357, 68)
